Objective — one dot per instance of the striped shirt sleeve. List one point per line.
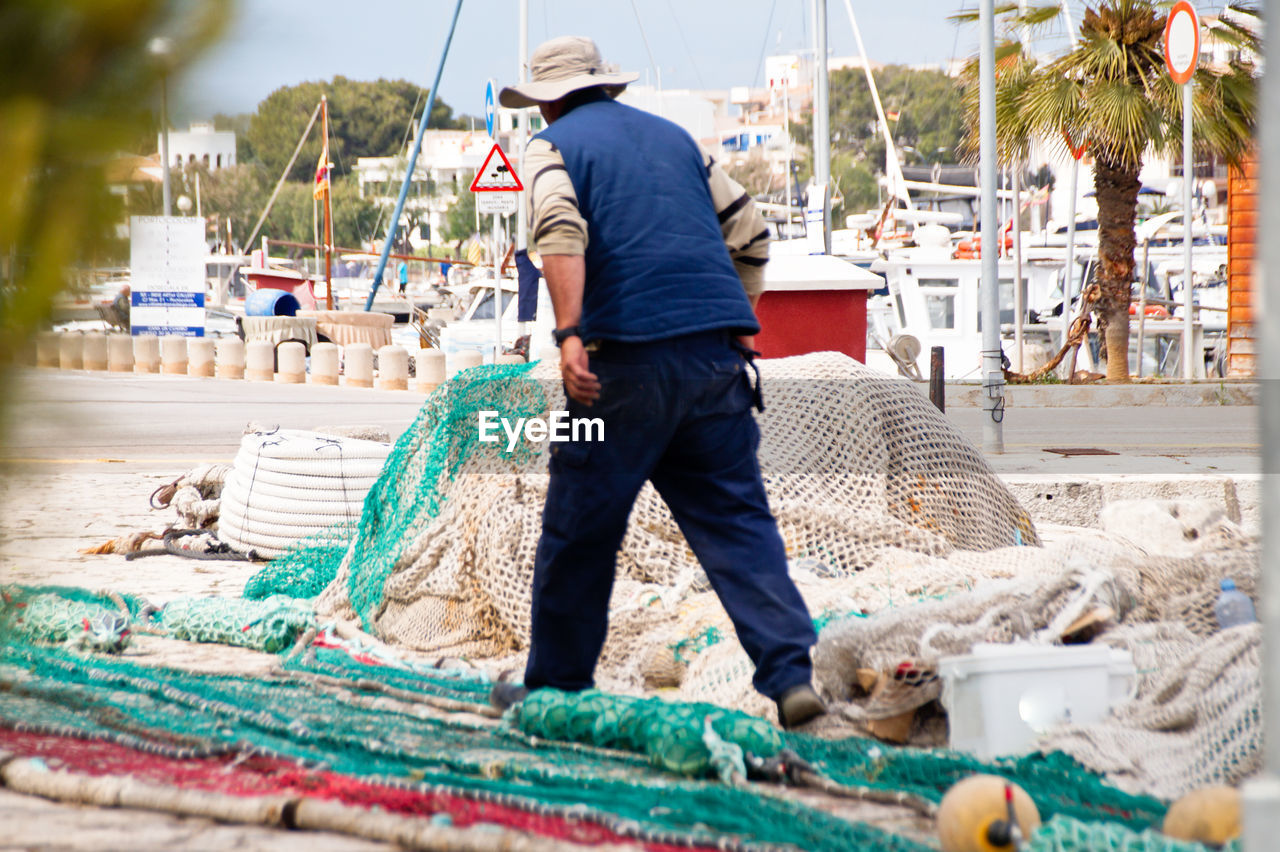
(556, 225)
(741, 224)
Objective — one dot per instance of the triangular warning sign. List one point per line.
(496, 175)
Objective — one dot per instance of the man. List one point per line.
(653, 258)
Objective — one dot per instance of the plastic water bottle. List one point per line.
(1233, 607)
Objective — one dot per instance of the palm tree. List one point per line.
(1112, 90)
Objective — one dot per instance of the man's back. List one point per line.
(656, 261)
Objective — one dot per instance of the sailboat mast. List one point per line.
(328, 206)
(893, 169)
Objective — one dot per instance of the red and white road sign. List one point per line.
(496, 175)
(1182, 42)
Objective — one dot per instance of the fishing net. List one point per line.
(1193, 720)
(271, 625)
(854, 462)
(385, 726)
(76, 618)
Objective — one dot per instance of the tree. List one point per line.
(238, 193)
(1112, 89)
(72, 75)
(460, 220)
(366, 119)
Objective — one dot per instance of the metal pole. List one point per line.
(166, 193)
(1188, 177)
(1262, 796)
(1069, 271)
(938, 377)
(1019, 309)
(786, 121)
(413, 161)
(328, 205)
(821, 119)
(497, 287)
(1142, 303)
(522, 124)
(992, 373)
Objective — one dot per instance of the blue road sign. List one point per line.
(490, 110)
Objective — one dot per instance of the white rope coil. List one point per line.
(286, 486)
(297, 444)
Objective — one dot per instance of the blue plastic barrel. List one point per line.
(270, 302)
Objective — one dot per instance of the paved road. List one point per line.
(58, 417)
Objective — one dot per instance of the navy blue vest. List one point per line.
(657, 265)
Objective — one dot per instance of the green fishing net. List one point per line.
(78, 618)
(1063, 834)
(271, 625)
(408, 493)
(671, 734)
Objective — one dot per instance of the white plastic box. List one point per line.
(1000, 697)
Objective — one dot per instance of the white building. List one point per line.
(215, 149)
(701, 113)
(445, 166)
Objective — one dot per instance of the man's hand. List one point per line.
(747, 341)
(580, 383)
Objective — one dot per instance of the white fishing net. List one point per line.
(903, 542)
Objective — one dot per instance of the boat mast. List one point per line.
(328, 205)
(897, 184)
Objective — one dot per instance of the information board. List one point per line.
(166, 258)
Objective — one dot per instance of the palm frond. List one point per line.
(1120, 121)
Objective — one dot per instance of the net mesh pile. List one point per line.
(333, 723)
(1194, 720)
(324, 709)
(854, 462)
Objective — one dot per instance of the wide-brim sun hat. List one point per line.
(561, 66)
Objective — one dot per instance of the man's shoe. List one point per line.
(798, 705)
(505, 694)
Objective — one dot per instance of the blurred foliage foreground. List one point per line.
(78, 84)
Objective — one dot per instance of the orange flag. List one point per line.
(322, 172)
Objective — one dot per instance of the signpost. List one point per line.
(490, 108)
(1181, 53)
(166, 259)
(497, 188)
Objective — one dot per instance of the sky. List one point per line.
(711, 44)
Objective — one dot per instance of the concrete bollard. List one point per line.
(358, 366)
(173, 355)
(464, 360)
(47, 348)
(324, 364)
(95, 351)
(71, 351)
(259, 361)
(291, 363)
(510, 359)
(120, 353)
(429, 369)
(146, 354)
(228, 358)
(393, 368)
(200, 356)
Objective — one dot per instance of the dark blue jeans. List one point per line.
(678, 413)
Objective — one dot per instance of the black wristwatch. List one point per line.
(560, 335)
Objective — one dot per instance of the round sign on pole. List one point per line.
(1182, 42)
(490, 110)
